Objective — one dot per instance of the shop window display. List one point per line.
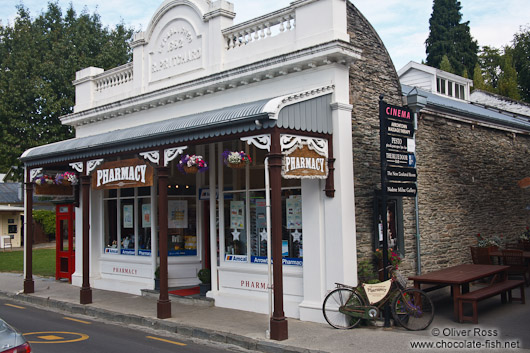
(182, 226)
(245, 221)
(292, 239)
(127, 221)
(182, 212)
(235, 224)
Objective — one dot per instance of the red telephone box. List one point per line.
(65, 241)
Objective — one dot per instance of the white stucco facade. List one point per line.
(191, 59)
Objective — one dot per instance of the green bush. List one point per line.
(46, 219)
(204, 275)
(366, 272)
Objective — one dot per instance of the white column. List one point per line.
(213, 230)
(314, 245)
(341, 248)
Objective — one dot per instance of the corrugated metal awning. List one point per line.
(310, 115)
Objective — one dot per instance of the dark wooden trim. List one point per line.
(278, 322)
(330, 181)
(86, 292)
(29, 284)
(163, 304)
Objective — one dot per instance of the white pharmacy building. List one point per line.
(217, 143)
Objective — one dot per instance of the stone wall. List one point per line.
(370, 77)
(467, 178)
(467, 174)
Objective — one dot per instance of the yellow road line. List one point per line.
(167, 341)
(77, 320)
(15, 306)
(47, 337)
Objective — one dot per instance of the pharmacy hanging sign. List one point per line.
(304, 162)
(128, 173)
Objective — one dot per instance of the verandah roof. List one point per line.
(310, 115)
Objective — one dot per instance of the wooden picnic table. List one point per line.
(459, 277)
(498, 254)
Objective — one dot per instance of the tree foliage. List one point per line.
(445, 64)
(497, 72)
(38, 61)
(521, 61)
(46, 219)
(451, 38)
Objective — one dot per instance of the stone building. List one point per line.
(470, 157)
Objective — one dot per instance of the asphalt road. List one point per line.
(49, 332)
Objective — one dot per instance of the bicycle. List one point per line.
(344, 307)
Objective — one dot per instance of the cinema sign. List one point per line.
(302, 162)
(128, 173)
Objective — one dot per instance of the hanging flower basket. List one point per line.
(54, 190)
(192, 164)
(234, 159)
(60, 185)
(190, 170)
(237, 165)
(66, 178)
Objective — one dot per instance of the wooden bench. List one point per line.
(487, 292)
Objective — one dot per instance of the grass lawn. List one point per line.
(43, 262)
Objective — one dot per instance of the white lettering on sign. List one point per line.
(293, 163)
(133, 173)
(176, 60)
(172, 43)
(178, 46)
(397, 157)
(398, 128)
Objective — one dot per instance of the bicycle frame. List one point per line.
(369, 312)
(345, 306)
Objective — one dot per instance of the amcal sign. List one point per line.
(301, 162)
(128, 173)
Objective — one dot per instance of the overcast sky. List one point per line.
(402, 25)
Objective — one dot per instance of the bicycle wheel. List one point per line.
(337, 299)
(413, 309)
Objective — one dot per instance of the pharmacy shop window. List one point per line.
(182, 213)
(246, 226)
(127, 221)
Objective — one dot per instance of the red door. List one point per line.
(65, 241)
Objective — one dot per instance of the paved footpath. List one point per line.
(499, 325)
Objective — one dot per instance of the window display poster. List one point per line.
(146, 215)
(128, 216)
(177, 214)
(261, 213)
(237, 214)
(294, 212)
(285, 248)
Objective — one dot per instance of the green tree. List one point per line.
(46, 219)
(445, 65)
(521, 60)
(490, 60)
(449, 37)
(498, 72)
(508, 77)
(38, 62)
(478, 79)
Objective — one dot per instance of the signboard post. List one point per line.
(398, 173)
